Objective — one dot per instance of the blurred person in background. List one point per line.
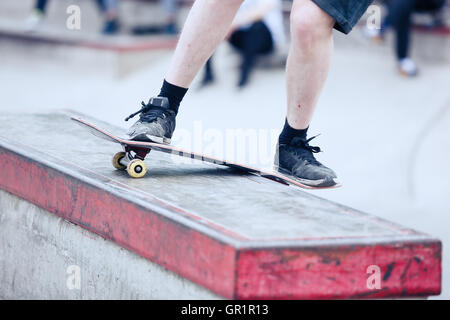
(256, 30)
(171, 9)
(311, 48)
(399, 18)
(109, 9)
(37, 15)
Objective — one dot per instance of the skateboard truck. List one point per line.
(132, 160)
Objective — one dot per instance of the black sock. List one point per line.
(174, 93)
(289, 133)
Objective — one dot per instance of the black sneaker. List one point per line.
(297, 160)
(111, 27)
(156, 123)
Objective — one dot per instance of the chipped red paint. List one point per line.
(153, 44)
(441, 31)
(339, 271)
(171, 245)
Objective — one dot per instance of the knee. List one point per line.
(308, 25)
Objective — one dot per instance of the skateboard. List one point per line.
(132, 157)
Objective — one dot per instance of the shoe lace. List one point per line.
(149, 112)
(301, 145)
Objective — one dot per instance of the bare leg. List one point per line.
(207, 24)
(308, 60)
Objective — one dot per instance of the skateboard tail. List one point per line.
(95, 131)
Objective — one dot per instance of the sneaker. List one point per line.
(111, 27)
(374, 35)
(156, 123)
(34, 20)
(171, 29)
(297, 160)
(407, 67)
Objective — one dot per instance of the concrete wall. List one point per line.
(37, 248)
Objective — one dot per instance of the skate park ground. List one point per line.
(386, 136)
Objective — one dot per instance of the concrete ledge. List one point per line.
(120, 44)
(37, 248)
(116, 56)
(239, 236)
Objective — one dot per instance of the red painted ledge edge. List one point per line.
(408, 268)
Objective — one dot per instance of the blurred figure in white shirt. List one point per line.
(257, 30)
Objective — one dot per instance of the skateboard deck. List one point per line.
(132, 157)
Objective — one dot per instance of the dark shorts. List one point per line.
(345, 12)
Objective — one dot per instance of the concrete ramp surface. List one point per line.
(229, 234)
